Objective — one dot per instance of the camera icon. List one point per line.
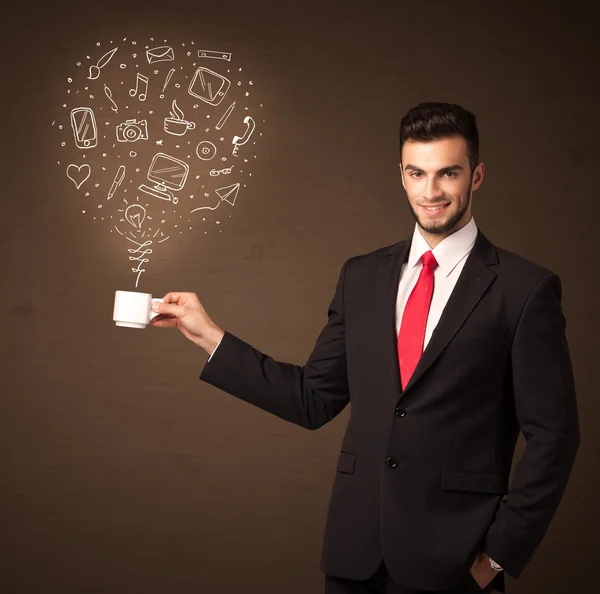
(132, 130)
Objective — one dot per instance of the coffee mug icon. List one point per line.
(178, 127)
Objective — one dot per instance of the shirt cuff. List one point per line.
(214, 350)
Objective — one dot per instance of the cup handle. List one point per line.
(153, 314)
(191, 125)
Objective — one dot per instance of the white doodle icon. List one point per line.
(168, 174)
(79, 174)
(108, 94)
(225, 171)
(164, 53)
(83, 123)
(171, 72)
(117, 181)
(225, 117)
(226, 194)
(215, 55)
(140, 78)
(238, 141)
(176, 124)
(103, 61)
(209, 86)
(132, 131)
(206, 150)
(135, 215)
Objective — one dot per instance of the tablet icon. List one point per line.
(209, 86)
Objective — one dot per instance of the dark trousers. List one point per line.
(381, 583)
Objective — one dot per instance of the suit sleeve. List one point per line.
(309, 395)
(546, 409)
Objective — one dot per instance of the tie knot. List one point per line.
(429, 260)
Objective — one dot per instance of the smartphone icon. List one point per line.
(83, 123)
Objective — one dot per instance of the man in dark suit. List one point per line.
(447, 346)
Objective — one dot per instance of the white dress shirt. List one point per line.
(451, 254)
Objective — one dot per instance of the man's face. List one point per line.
(437, 173)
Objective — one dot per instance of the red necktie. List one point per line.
(414, 320)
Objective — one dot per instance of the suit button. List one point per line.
(400, 411)
(392, 462)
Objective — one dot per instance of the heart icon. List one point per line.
(78, 174)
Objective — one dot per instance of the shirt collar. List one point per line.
(449, 252)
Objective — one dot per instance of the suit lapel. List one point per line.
(472, 283)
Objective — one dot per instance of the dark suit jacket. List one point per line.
(422, 475)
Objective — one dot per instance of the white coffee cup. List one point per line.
(133, 309)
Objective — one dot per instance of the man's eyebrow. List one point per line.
(442, 170)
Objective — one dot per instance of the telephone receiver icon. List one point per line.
(250, 125)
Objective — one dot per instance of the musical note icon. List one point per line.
(141, 95)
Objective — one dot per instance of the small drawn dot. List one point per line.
(239, 83)
(91, 96)
(97, 43)
(250, 83)
(64, 105)
(189, 53)
(137, 170)
(197, 177)
(196, 106)
(177, 86)
(221, 138)
(63, 144)
(151, 112)
(97, 185)
(206, 194)
(133, 154)
(247, 94)
(134, 55)
(60, 127)
(156, 72)
(70, 80)
(123, 66)
(78, 63)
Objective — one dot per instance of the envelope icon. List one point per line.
(164, 53)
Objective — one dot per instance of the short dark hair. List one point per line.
(431, 120)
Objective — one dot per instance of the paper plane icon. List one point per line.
(228, 193)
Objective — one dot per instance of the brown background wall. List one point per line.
(120, 471)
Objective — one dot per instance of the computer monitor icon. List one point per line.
(168, 174)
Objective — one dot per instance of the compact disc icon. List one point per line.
(206, 150)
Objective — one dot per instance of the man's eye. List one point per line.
(450, 173)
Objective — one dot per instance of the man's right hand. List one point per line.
(185, 312)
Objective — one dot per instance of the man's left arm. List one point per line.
(546, 409)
